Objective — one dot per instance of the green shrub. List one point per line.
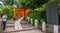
(0, 12)
(59, 16)
(39, 13)
(8, 10)
(34, 15)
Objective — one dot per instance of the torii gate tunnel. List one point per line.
(20, 12)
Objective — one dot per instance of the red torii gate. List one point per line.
(20, 12)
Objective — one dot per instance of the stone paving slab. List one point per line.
(9, 25)
(31, 31)
(24, 22)
(9, 29)
(27, 26)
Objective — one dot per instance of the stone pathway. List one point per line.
(31, 31)
(24, 26)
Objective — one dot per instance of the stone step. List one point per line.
(27, 25)
(18, 30)
(9, 29)
(49, 30)
(24, 22)
(30, 31)
(27, 31)
(9, 25)
(10, 22)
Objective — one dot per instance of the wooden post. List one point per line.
(14, 10)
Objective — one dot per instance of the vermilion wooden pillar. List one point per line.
(26, 12)
(16, 13)
(14, 10)
(21, 12)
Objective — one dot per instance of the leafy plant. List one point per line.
(0, 12)
(32, 4)
(8, 10)
(39, 13)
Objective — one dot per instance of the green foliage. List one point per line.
(22, 2)
(8, 10)
(58, 12)
(42, 20)
(8, 2)
(42, 8)
(0, 12)
(38, 13)
(58, 1)
(51, 0)
(32, 4)
(34, 15)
